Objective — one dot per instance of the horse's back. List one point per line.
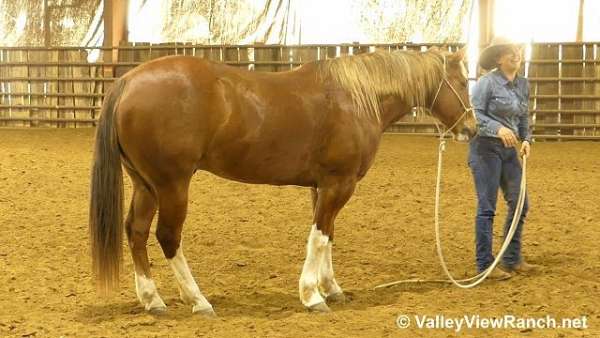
(197, 114)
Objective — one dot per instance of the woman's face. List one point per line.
(510, 58)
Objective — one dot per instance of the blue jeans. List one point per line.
(493, 166)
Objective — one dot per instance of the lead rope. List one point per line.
(513, 227)
(483, 275)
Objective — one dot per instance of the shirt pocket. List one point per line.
(502, 106)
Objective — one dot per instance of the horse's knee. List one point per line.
(168, 240)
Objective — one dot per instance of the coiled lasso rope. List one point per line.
(475, 280)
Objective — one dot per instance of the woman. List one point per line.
(500, 101)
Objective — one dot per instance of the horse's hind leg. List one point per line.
(173, 200)
(317, 272)
(137, 225)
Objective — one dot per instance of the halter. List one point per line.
(466, 109)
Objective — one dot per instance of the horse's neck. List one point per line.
(393, 109)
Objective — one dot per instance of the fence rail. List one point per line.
(65, 86)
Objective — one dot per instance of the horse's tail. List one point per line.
(106, 197)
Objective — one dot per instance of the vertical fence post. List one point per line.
(572, 69)
(547, 67)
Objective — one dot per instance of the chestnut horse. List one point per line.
(317, 126)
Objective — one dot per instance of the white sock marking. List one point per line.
(189, 290)
(315, 248)
(327, 283)
(147, 293)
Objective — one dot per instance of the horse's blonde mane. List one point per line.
(408, 74)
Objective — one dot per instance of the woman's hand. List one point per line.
(525, 149)
(508, 137)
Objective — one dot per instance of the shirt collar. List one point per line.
(501, 78)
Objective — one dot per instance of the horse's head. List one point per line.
(451, 104)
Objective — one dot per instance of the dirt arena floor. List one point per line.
(246, 243)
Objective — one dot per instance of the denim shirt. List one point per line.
(499, 102)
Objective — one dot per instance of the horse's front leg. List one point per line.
(327, 284)
(317, 272)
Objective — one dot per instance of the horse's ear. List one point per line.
(459, 55)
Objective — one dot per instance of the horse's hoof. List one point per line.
(319, 307)
(337, 297)
(158, 311)
(206, 312)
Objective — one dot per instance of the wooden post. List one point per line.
(115, 29)
(486, 22)
(46, 24)
(579, 37)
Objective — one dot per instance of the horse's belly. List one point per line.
(248, 175)
(260, 168)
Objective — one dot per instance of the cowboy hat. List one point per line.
(488, 57)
